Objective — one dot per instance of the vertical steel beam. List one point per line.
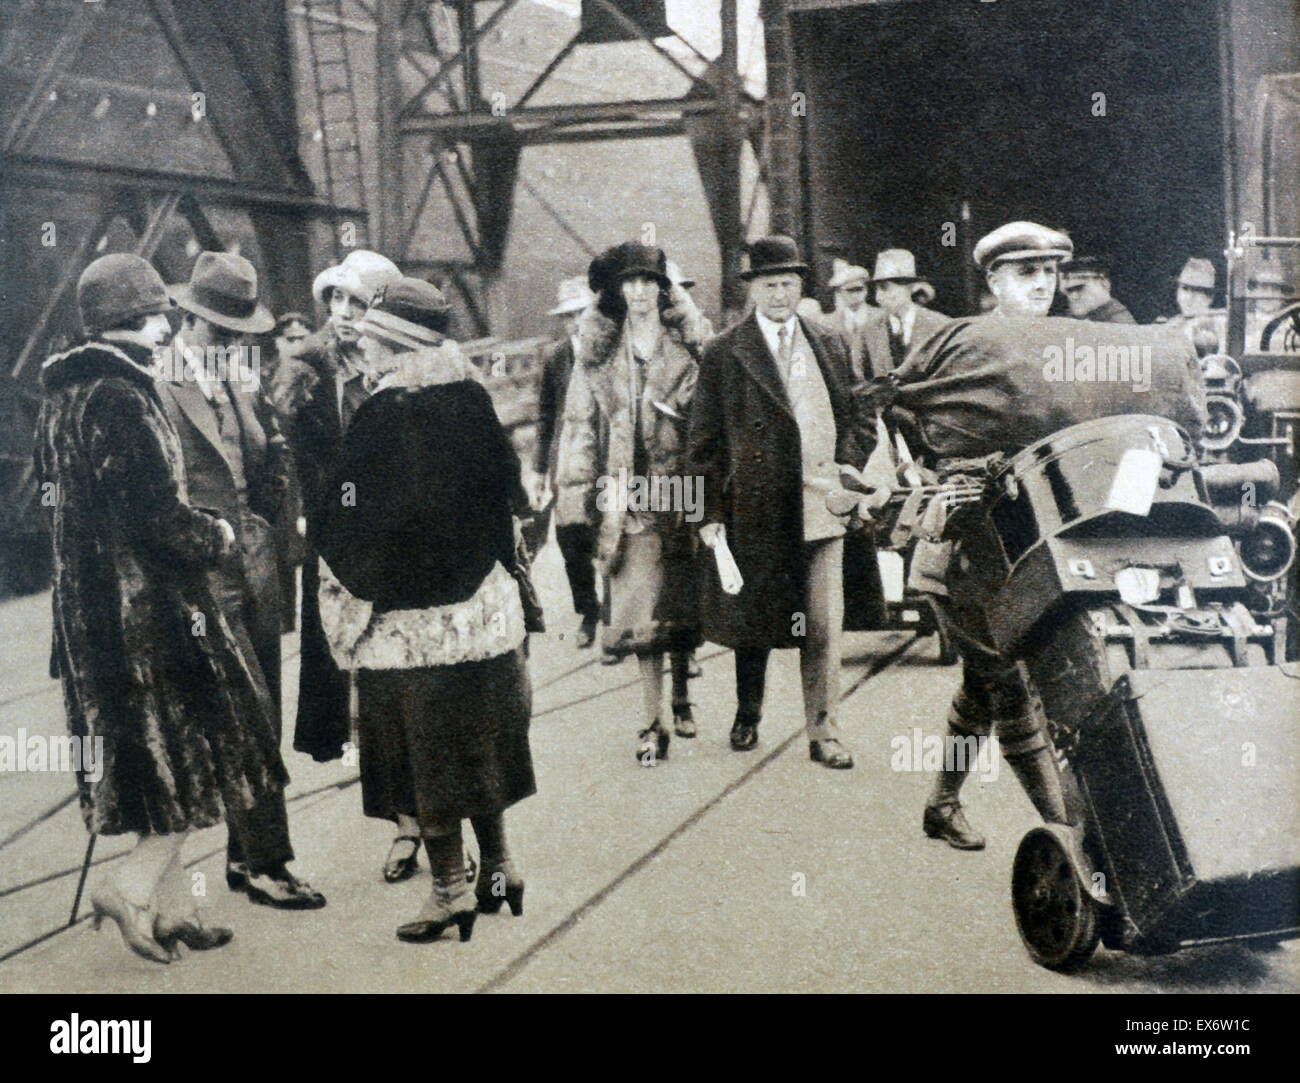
(392, 187)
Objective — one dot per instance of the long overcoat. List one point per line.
(597, 438)
(745, 443)
(147, 661)
(305, 392)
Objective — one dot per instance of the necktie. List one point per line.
(783, 350)
(897, 349)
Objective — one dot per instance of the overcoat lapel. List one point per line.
(194, 406)
(757, 360)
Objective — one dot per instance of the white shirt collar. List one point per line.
(902, 325)
(771, 328)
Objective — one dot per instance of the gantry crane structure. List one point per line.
(445, 133)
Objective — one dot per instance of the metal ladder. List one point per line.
(336, 106)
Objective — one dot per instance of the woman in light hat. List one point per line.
(417, 597)
(174, 727)
(317, 392)
(624, 427)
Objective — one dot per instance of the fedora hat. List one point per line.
(774, 255)
(223, 289)
(1021, 240)
(361, 274)
(1197, 274)
(899, 265)
(572, 296)
(844, 273)
(676, 276)
(116, 288)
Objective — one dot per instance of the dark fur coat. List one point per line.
(148, 663)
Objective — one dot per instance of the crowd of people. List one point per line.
(181, 499)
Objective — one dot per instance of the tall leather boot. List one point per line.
(1041, 781)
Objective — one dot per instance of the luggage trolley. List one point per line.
(1170, 707)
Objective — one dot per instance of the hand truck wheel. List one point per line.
(1055, 915)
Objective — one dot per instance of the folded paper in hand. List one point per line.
(728, 571)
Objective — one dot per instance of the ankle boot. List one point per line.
(1041, 781)
(450, 904)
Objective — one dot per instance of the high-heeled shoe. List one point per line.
(442, 910)
(497, 886)
(683, 721)
(652, 744)
(397, 869)
(191, 932)
(135, 923)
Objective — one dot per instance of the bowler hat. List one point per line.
(1197, 274)
(361, 273)
(117, 288)
(774, 255)
(1019, 241)
(223, 290)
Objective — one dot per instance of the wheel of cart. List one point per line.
(1055, 912)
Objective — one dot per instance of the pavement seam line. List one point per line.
(520, 962)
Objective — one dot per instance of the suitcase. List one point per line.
(1190, 780)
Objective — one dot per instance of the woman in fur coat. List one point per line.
(417, 596)
(624, 440)
(156, 690)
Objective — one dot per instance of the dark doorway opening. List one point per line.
(916, 109)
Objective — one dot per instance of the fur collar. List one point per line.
(97, 359)
(441, 364)
(598, 335)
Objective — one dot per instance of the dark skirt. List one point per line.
(443, 743)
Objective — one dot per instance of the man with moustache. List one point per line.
(318, 392)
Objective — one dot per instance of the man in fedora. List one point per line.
(318, 392)
(903, 295)
(772, 416)
(1085, 283)
(1020, 261)
(861, 325)
(237, 464)
(573, 528)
